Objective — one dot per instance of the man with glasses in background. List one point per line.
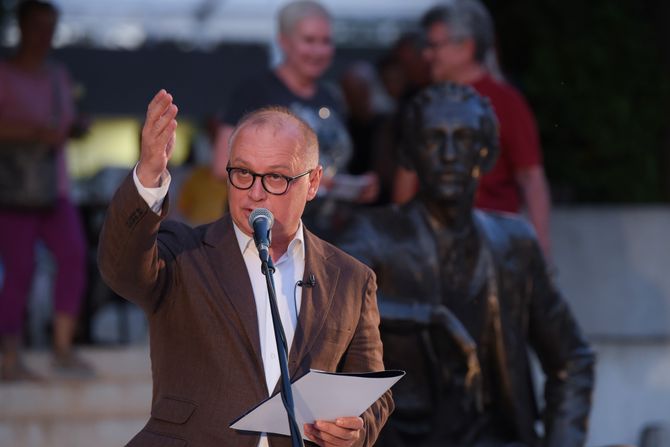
(460, 48)
(212, 344)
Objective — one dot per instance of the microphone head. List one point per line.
(261, 213)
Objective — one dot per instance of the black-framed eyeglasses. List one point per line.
(272, 182)
(434, 46)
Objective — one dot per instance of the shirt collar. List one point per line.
(247, 242)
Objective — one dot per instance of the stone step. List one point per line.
(76, 400)
(108, 432)
(124, 363)
(106, 410)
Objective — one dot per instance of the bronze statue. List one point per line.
(463, 294)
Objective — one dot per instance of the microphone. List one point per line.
(311, 281)
(261, 221)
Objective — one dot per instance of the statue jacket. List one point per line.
(527, 308)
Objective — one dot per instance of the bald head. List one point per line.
(281, 119)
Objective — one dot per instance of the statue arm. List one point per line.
(401, 316)
(567, 360)
(405, 314)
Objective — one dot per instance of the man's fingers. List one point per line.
(164, 124)
(158, 138)
(160, 125)
(169, 114)
(170, 144)
(353, 423)
(166, 133)
(338, 433)
(313, 436)
(157, 106)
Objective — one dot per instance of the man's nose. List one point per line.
(323, 48)
(257, 192)
(448, 149)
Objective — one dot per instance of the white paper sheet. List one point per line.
(319, 395)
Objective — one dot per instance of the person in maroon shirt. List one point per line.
(460, 49)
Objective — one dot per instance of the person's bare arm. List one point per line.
(535, 190)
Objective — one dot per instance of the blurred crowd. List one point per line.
(495, 294)
(358, 117)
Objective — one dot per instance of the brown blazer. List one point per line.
(205, 350)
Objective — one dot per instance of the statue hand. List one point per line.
(467, 348)
(473, 383)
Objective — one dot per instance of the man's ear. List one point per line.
(314, 182)
(282, 40)
(468, 46)
(488, 153)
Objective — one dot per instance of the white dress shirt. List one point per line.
(289, 269)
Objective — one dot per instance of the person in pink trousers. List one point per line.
(33, 91)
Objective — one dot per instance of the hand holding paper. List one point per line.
(323, 399)
(343, 431)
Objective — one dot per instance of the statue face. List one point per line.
(448, 150)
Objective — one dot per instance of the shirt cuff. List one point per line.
(153, 196)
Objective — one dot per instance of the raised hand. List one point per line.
(158, 137)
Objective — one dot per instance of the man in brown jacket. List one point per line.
(213, 354)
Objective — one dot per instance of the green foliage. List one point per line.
(594, 75)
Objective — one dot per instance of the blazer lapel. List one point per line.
(316, 301)
(233, 277)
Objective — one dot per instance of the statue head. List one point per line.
(449, 137)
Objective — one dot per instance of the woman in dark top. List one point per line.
(305, 38)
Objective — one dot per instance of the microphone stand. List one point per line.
(267, 268)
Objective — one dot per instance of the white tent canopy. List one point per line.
(201, 23)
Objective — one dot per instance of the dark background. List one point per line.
(597, 76)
